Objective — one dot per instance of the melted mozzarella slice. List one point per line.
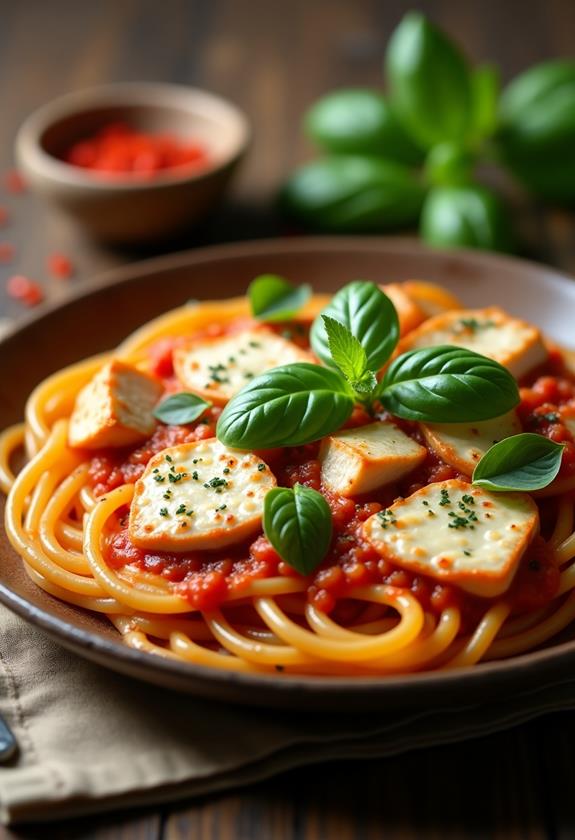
(511, 342)
(217, 368)
(457, 533)
(462, 445)
(199, 496)
(358, 460)
(114, 408)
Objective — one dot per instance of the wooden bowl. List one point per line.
(131, 210)
(99, 317)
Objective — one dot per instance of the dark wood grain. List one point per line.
(274, 59)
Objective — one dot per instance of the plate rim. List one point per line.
(88, 642)
(252, 247)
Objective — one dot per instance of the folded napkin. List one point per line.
(91, 740)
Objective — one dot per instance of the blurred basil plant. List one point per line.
(409, 155)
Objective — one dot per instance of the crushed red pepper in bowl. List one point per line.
(118, 149)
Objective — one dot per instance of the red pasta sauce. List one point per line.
(208, 579)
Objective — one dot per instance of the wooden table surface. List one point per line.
(273, 59)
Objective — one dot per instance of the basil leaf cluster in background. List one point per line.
(355, 336)
(409, 156)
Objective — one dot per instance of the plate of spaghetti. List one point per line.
(300, 476)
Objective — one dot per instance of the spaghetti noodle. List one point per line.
(241, 608)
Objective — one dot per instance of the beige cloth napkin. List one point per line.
(91, 740)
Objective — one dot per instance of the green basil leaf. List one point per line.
(446, 384)
(523, 462)
(368, 314)
(360, 121)
(298, 524)
(366, 384)
(448, 164)
(181, 408)
(286, 406)
(485, 87)
(465, 216)
(537, 129)
(274, 299)
(345, 349)
(353, 193)
(430, 84)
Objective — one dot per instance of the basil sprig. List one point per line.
(286, 406)
(181, 408)
(451, 383)
(368, 314)
(350, 357)
(299, 403)
(274, 299)
(298, 524)
(523, 462)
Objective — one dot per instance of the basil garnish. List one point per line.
(182, 408)
(349, 356)
(286, 406)
(524, 462)
(446, 384)
(368, 314)
(299, 403)
(298, 524)
(274, 299)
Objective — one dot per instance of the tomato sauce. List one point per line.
(207, 579)
(545, 406)
(111, 468)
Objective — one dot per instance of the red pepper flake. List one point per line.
(34, 296)
(119, 149)
(14, 182)
(60, 266)
(4, 216)
(6, 252)
(25, 290)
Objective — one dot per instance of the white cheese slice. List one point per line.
(511, 342)
(458, 534)
(358, 460)
(217, 368)
(462, 445)
(199, 495)
(114, 408)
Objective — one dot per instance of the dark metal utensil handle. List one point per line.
(8, 743)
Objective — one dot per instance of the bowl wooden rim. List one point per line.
(32, 155)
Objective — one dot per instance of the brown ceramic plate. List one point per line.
(99, 317)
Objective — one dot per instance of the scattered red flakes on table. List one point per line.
(14, 182)
(6, 252)
(118, 149)
(4, 216)
(25, 290)
(60, 266)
